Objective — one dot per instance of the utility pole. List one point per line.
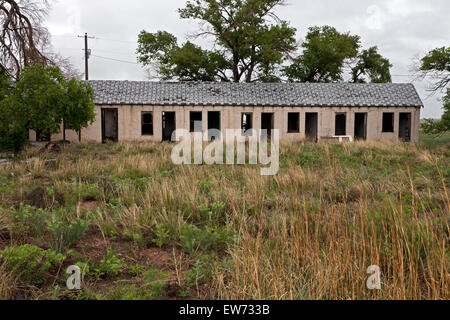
(87, 54)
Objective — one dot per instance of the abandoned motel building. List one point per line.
(138, 111)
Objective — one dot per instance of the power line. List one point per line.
(113, 40)
(112, 59)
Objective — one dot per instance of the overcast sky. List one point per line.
(402, 29)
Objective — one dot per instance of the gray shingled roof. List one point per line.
(254, 94)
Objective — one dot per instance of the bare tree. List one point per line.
(23, 39)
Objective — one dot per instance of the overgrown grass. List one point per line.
(143, 228)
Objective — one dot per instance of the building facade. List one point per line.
(151, 111)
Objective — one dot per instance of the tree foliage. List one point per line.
(251, 43)
(41, 100)
(24, 41)
(373, 66)
(436, 64)
(433, 127)
(324, 52)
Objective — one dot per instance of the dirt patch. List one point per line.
(157, 257)
(92, 246)
(89, 205)
(40, 198)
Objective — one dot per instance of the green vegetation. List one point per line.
(141, 228)
(41, 100)
(253, 44)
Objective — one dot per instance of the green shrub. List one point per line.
(193, 238)
(162, 236)
(30, 263)
(110, 266)
(136, 270)
(29, 220)
(65, 235)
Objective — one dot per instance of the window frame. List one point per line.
(297, 130)
(391, 125)
(345, 123)
(143, 123)
(244, 132)
(192, 123)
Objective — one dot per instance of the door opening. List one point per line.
(360, 126)
(213, 124)
(110, 125)
(168, 125)
(405, 127)
(267, 124)
(311, 126)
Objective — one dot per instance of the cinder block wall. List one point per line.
(129, 121)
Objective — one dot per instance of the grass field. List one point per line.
(142, 228)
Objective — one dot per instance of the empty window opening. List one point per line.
(196, 121)
(246, 123)
(360, 126)
(147, 123)
(405, 127)
(311, 126)
(388, 122)
(168, 125)
(294, 122)
(214, 124)
(341, 124)
(267, 124)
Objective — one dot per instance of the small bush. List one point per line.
(29, 220)
(65, 235)
(30, 263)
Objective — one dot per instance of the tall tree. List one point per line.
(22, 36)
(24, 41)
(371, 66)
(436, 64)
(251, 41)
(325, 51)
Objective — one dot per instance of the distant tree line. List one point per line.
(253, 44)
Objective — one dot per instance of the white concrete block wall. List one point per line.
(129, 121)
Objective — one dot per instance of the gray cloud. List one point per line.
(402, 29)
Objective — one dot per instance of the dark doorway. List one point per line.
(311, 125)
(267, 124)
(110, 125)
(168, 125)
(405, 127)
(341, 124)
(360, 126)
(213, 123)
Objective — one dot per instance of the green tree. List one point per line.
(78, 107)
(325, 52)
(13, 134)
(186, 63)
(433, 127)
(41, 100)
(372, 66)
(38, 98)
(436, 64)
(251, 41)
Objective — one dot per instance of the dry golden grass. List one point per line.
(309, 232)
